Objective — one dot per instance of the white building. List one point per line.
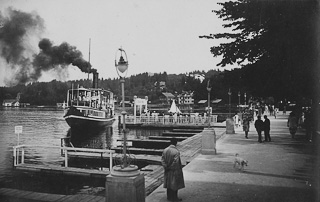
(186, 98)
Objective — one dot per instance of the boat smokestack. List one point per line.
(95, 79)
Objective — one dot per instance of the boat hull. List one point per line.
(75, 121)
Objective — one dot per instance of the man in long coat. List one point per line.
(173, 175)
(259, 127)
(266, 128)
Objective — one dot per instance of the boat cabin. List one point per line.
(94, 98)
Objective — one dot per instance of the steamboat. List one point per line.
(89, 107)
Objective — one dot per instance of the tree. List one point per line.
(276, 43)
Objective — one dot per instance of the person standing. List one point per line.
(173, 175)
(258, 124)
(266, 128)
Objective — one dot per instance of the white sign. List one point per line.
(140, 101)
(18, 129)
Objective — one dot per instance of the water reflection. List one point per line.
(96, 138)
(106, 137)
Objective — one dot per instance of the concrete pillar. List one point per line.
(125, 189)
(230, 126)
(208, 142)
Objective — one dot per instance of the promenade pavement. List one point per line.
(284, 169)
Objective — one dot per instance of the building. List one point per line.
(162, 84)
(185, 98)
(166, 98)
(10, 103)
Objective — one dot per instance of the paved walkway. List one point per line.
(281, 170)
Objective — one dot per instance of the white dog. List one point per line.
(240, 162)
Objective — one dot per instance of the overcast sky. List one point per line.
(157, 35)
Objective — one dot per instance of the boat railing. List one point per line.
(19, 152)
(167, 120)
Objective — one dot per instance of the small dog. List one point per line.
(240, 162)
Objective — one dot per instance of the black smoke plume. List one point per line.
(17, 29)
(63, 55)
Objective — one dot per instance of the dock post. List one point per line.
(66, 158)
(230, 126)
(208, 142)
(125, 189)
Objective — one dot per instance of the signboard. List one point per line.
(18, 129)
(140, 101)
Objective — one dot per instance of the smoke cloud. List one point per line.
(63, 55)
(16, 31)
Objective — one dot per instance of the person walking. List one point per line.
(173, 175)
(292, 124)
(246, 126)
(258, 124)
(266, 128)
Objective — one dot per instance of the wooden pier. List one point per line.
(8, 194)
(184, 134)
(189, 149)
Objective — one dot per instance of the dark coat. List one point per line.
(266, 124)
(259, 125)
(173, 175)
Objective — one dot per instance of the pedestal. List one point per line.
(125, 189)
(230, 126)
(208, 142)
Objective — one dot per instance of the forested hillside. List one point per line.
(141, 85)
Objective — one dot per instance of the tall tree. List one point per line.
(276, 42)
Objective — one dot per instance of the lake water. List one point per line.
(46, 126)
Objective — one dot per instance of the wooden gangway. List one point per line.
(20, 164)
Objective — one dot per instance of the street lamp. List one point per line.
(208, 89)
(125, 169)
(229, 93)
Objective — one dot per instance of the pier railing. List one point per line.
(171, 120)
(19, 153)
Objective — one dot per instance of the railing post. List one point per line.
(14, 156)
(66, 158)
(18, 156)
(101, 160)
(22, 155)
(110, 159)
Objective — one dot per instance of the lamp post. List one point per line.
(245, 99)
(239, 94)
(208, 89)
(130, 170)
(229, 93)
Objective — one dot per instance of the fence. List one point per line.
(171, 120)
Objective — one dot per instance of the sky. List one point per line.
(157, 35)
